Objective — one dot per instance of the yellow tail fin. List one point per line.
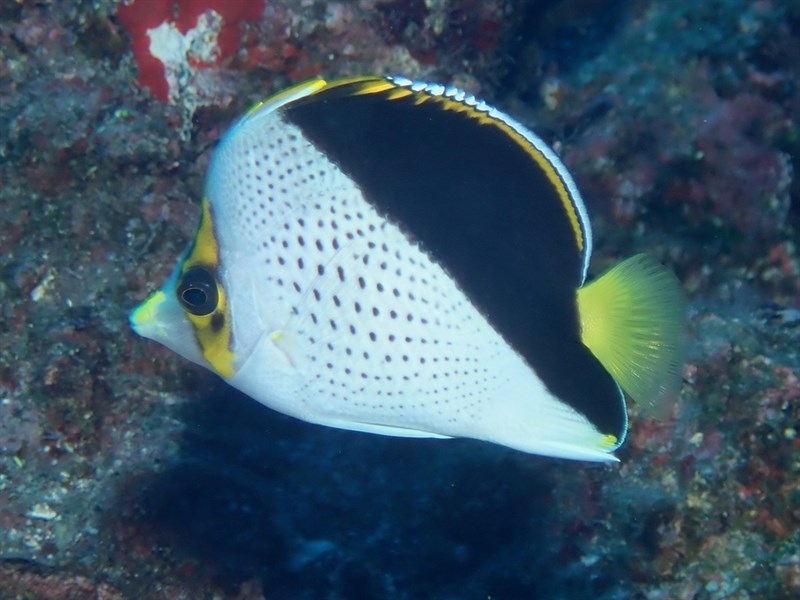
(633, 319)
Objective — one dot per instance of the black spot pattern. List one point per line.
(376, 330)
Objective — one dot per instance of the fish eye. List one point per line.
(197, 291)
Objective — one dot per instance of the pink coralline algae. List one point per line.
(744, 179)
(174, 39)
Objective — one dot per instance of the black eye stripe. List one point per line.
(197, 291)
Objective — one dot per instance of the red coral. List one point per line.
(140, 16)
(138, 19)
(233, 12)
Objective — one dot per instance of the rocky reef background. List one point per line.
(126, 472)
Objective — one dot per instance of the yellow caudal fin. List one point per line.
(633, 319)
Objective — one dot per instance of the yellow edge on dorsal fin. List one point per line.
(633, 319)
(300, 90)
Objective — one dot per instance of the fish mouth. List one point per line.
(145, 320)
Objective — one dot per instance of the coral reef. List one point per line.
(126, 472)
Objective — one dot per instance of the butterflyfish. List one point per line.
(401, 258)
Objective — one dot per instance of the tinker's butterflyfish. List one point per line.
(396, 257)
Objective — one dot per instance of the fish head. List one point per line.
(191, 313)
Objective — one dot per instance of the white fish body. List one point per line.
(382, 340)
(330, 312)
